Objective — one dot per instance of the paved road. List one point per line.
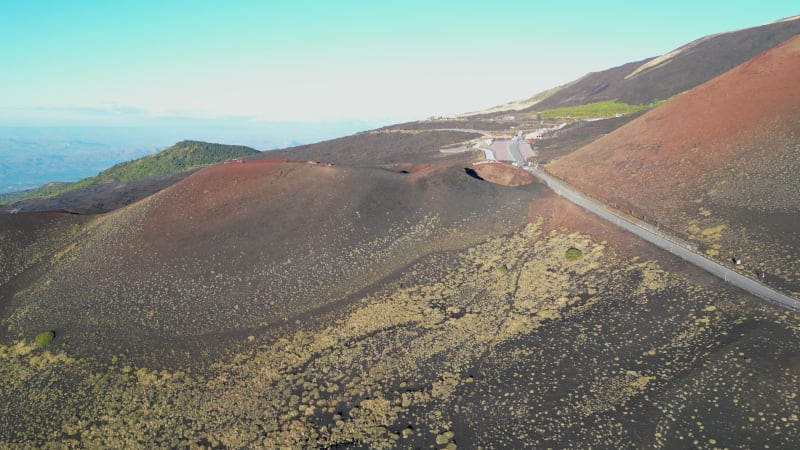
(675, 246)
(513, 148)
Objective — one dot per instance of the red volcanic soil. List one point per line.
(428, 169)
(256, 244)
(717, 165)
(560, 214)
(400, 308)
(503, 174)
(698, 132)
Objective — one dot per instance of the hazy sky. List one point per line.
(295, 60)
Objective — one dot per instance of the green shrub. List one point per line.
(43, 339)
(573, 254)
(502, 269)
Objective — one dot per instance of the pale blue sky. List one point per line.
(117, 61)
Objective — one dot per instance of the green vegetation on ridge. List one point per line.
(608, 108)
(180, 157)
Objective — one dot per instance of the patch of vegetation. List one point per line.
(608, 108)
(399, 368)
(573, 254)
(42, 339)
(180, 157)
(502, 269)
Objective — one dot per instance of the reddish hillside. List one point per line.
(294, 305)
(254, 244)
(717, 164)
(503, 174)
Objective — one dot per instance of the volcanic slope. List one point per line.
(381, 148)
(99, 197)
(127, 182)
(717, 166)
(27, 238)
(490, 338)
(664, 76)
(243, 246)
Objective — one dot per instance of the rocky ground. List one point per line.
(97, 198)
(381, 148)
(498, 342)
(417, 301)
(711, 172)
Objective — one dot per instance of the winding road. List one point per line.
(671, 244)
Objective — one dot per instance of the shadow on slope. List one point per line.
(249, 246)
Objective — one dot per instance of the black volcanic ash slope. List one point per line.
(678, 71)
(490, 338)
(379, 148)
(246, 245)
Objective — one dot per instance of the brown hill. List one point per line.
(276, 304)
(279, 304)
(663, 76)
(380, 148)
(377, 148)
(226, 248)
(717, 165)
(504, 174)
